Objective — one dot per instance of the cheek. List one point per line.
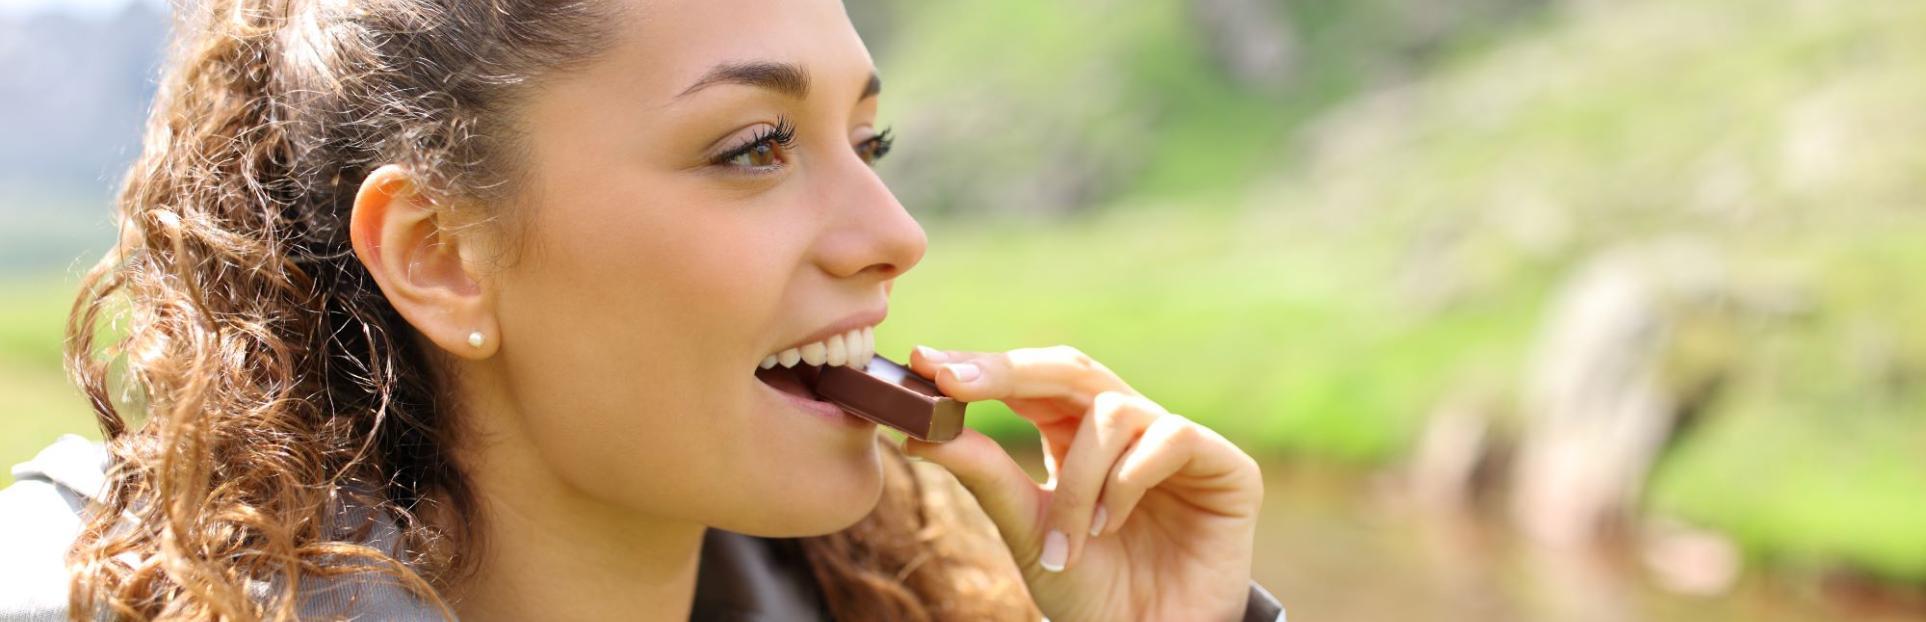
(629, 333)
(616, 328)
(669, 286)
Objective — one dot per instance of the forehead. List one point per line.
(662, 47)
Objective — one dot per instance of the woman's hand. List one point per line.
(1147, 515)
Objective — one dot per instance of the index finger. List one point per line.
(1056, 372)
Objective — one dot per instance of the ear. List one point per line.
(428, 270)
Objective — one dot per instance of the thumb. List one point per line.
(1005, 491)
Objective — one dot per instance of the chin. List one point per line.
(817, 505)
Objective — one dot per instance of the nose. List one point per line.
(870, 233)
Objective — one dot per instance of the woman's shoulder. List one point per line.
(40, 514)
(43, 511)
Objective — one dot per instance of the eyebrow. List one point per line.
(786, 78)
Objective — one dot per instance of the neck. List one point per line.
(551, 559)
(550, 551)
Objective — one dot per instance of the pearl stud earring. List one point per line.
(477, 339)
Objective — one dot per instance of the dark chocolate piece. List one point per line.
(890, 394)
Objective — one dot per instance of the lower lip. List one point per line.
(821, 409)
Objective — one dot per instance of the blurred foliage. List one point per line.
(1311, 270)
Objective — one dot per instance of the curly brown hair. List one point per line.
(273, 385)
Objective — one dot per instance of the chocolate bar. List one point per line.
(890, 394)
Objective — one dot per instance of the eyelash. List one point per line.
(784, 135)
(877, 146)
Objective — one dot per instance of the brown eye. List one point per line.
(759, 155)
(875, 148)
(766, 151)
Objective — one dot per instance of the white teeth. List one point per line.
(835, 354)
(853, 349)
(853, 341)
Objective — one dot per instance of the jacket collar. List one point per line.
(751, 579)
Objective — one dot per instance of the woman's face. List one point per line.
(658, 271)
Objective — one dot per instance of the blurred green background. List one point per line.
(1470, 276)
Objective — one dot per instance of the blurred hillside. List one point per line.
(72, 97)
(1674, 245)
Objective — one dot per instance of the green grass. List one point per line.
(1812, 456)
(1263, 334)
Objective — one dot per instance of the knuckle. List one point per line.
(1112, 411)
(1127, 482)
(1245, 463)
(1111, 425)
(1071, 356)
(1182, 432)
(1249, 465)
(1148, 406)
(1069, 501)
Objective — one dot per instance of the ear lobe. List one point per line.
(420, 262)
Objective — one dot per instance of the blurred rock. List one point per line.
(1456, 453)
(1598, 407)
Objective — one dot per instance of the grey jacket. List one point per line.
(741, 577)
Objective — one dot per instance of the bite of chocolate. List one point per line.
(890, 394)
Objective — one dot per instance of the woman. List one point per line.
(439, 308)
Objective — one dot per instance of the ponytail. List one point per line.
(274, 386)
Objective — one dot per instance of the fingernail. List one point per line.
(931, 354)
(1056, 549)
(964, 372)
(1096, 522)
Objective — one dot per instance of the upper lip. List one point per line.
(858, 320)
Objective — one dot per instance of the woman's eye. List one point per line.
(876, 147)
(767, 150)
(759, 155)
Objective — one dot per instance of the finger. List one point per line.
(1173, 446)
(1056, 418)
(1005, 491)
(1059, 372)
(1115, 420)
